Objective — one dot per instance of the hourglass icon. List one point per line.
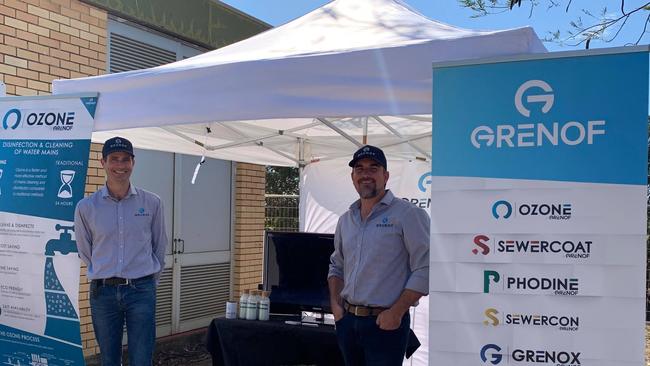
(65, 191)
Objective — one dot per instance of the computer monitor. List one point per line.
(295, 271)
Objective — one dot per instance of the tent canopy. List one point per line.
(352, 68)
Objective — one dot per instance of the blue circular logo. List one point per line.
(5, 120)
(423, 180)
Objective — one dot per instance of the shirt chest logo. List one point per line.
(386, 222)
(141, 212)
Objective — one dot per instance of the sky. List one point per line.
(543, 19)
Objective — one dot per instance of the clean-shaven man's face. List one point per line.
(118, 167)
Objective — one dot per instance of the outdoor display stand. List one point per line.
(43, 166)
(538, 249)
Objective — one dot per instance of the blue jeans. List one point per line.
(113, 305)
(363, 343)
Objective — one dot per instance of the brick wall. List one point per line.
(43, 40)
(249, 227)
(94, 180)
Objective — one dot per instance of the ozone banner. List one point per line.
(43, 165)
(538, 207)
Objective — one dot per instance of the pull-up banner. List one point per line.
(44, 148)
(538, 252)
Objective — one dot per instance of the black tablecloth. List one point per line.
(233, 342)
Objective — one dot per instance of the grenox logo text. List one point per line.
(559, 322)
(534, 285)
(54, 120)
(523, 135)
(491, 354)
(576, 249)
(552, 211)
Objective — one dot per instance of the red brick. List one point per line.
(26, 17)
(37, 66)
(62, 37)
(72, 66)
(7, 31)
(47, 4)
(81, 8)
(5, 10)
(8, 50)
(70, 13)
(16, 4)
(57, 71)
(62, 55)
(31, 37)
(28, 55)
(71, 48)
(49, 60)
(28, 74)
(35, 47)
(49, 42)
(13, 80)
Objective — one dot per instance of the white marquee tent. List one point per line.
(305, 91)
(311, 90)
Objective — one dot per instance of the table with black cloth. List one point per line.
(234, 342)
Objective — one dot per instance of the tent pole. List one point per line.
(340, 131)
(365, 131)
(396, 133)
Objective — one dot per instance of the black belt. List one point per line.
(117, 281)
(360, 310)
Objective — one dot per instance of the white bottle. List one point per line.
(243, 304)
(264, 306)
(253, 302)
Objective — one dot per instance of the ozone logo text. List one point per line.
(551, 211)
(54, 120)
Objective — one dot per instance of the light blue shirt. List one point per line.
(124, 238)
(379, 257)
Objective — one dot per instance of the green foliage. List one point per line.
(282, 180)
(603, 26)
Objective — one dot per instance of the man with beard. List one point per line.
(120, 233)
(379, 268)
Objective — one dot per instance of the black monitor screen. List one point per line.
(295, 271)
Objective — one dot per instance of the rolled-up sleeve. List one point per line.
(416, 230)
(81, 234)
(336, 259)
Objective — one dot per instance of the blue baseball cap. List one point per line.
(117, 144)
(369, 152)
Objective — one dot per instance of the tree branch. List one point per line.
(645, 26)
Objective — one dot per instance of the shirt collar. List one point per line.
(106, 194)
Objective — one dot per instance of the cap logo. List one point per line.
(366, 149)
(118, 141)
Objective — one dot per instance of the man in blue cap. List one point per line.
(120, 233)
(379, 268)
